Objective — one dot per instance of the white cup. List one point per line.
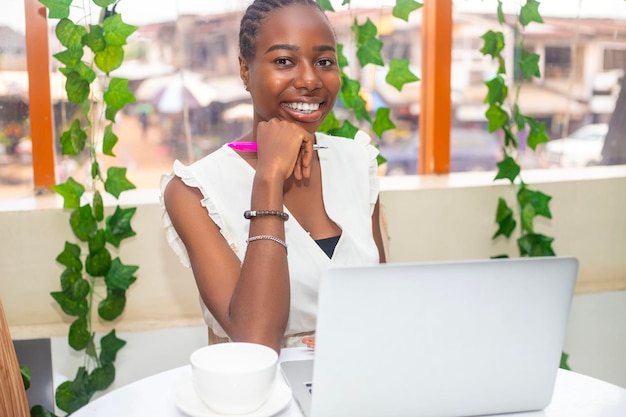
(235, 377)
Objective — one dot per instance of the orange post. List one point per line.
(435, 108)
(39, 97)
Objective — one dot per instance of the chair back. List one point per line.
(13, 400)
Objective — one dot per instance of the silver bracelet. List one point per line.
(267, 237)
(250, 214)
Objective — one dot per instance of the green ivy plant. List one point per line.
(369, 49)
(93, 275)
(530, 203)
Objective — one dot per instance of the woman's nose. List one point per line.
(306, 77)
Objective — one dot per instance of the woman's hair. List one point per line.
(253, 19)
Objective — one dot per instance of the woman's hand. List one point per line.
(284, 148)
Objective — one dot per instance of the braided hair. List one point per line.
(253, 19)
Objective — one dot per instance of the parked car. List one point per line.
(582, 148)
(470, 150)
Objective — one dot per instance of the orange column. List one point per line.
(39, 99)
(435, 106)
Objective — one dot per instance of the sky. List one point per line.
(140, 12)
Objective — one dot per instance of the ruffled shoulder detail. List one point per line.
(171, 235)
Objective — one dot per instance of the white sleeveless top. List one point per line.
(350, 190)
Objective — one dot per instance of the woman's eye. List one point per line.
(283, 61)
(325, 62)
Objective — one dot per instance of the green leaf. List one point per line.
(404, 8)
(57, 9)
(504, 219)
(529, 65)
(85, 72)
(538, 200)
(118, 95)
(98, 206)
(71, 191)
(368, 46)
(110, 140)
(508, 168)
(98, 263)
(350, 95)
(520, 119)
(493, 43)
(110, 344)
(382, 122)
(70, 307)
(73, 140)
(400, 74)
(326, 5)
(72, 395)
(116, 32)
(110, 58)
(534, 244)
(104, 3)
(118, 226)
(69, 57)
(329, 123)
(347, 130)
(69, 34)
(116, 182)
(70, 257)
(77, 88)
(80, 290)
(95, 39)
(113, 305)
(528, 216)
(497, 91)
(120, 276)
(79, 335)
(25, 371)
(102, 377)
(341, 58)
(40, 411)
(500, 12)
(564, 364)
(69, 278)
(497, 117)
(537, 133)
(83, 223)
(97, 241)
(530, 13)
(510, 140)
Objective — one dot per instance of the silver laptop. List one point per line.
(439, 339)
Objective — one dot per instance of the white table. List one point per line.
(575, 395)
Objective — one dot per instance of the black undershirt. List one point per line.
(328, 245)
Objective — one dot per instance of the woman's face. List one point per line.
(294, 75)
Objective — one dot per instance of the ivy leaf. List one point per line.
(102, 377)
(98, 263)
(73, 140)
(120, 276)
(116, 32)
(368, 46)
(350, 95)
(520, 119)
(528, 216)
(380, 159)
(96, 241)
(118, 226)
(110, 344)
(508, 168)
(40, 411)
(530, 13)
(110, 140)
(77, 88)
(113, 305)
(564, 358)
(347, 130)
(69, 57)
(57, 9)
(509, 137)
(69, 34)
(80, 290)
(79, 336)
(500, 13)
(494, 43)
(404, 8)
(71, 191)
(325, 5)
(95, 39)
(537, 133)
(342, 61)
(69, 306)
(117, 182)
(26, 375)
(110, 58)
(504, 219)
(104, 3)
(118, 95)
(69, 278)
(534, 244)
(538, 200)
(329, 123)
(529, 65)
(497, 91)
(83, 223)
(400, 74)
(497, 117)
(98, 206)
(70, 257)
(72, 395)
(85, 72)
(382, 122)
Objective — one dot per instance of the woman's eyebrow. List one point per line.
(289, 47)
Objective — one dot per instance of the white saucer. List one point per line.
(189, 403)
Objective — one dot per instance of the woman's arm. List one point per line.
(377, 230)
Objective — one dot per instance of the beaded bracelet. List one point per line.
(267, 237)
(249, 214)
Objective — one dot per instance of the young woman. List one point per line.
(259, 228)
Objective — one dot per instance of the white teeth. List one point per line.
(304, 107)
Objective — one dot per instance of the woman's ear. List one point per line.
(244, 71)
